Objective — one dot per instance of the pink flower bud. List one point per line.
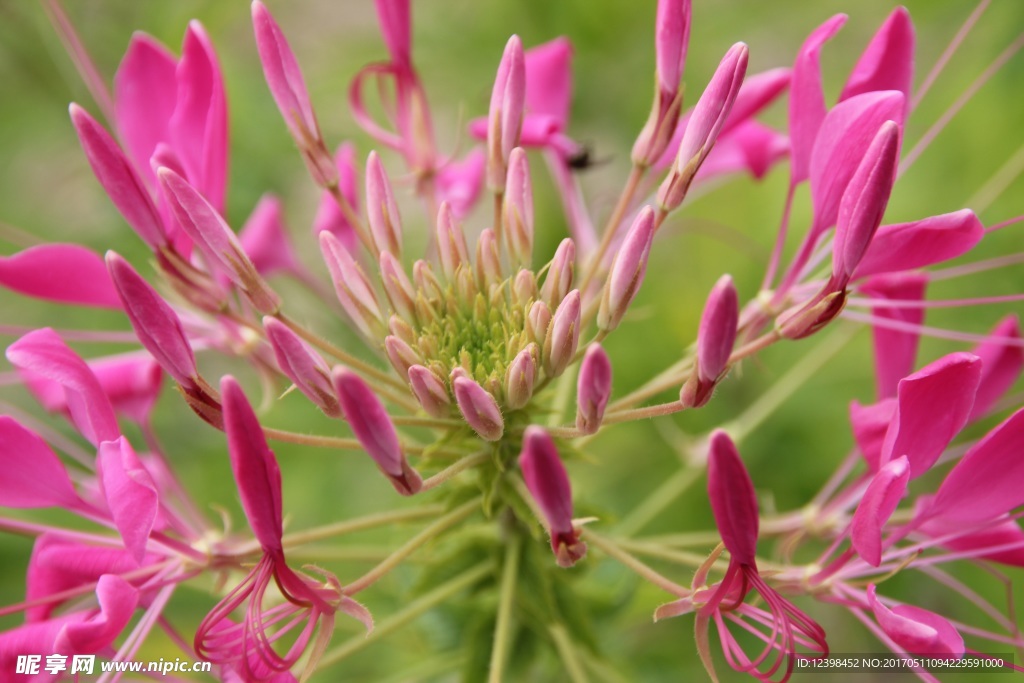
(537, 322)
(558, 280)
(401, 355)
(204, 226)
(733, 501)
(381, 209)
(351, 285)
(717, 332)
(303, 366)
(702, 129)
(119, 179)
(488, 260)
(395, 26)
(524, 287)
(505, 117)
(372, 426)
(548, 484)
(864, 202)
(627, 271)
(451, 242)
(671, 35)
(593, 388)
(478, 407)
(520, 376)
(518, 213)
(155, 323)
(430, 391)
(397, 286)
(563, 335)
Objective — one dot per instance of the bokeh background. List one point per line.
(47, 192)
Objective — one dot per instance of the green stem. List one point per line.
(614, 551)
(654, 550)
(409, 547)
(662, 497)
(567, 651)
(413, 610)
(635, 175)
(351, 526)
(503, 630)
(455, 468)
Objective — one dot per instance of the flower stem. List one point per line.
(409, 547)
(662, 497)
(414, 609)
(616, 552)
(625, 199)
(567, 651)
(350, 526)
(455, 468)
(503, 631)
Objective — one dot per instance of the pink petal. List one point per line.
(302, 365)
(130, 492)
(1004, 534)
(549, 80)
(806, 99)
(671, 37)
(33, 475)
(395, 26)
(459, 182)
(66, 273)
(264, 237)
(199, 126)
(717, 331)
(478, 408)
(986, 482)
(916, 630)
(756, 93)
(117, 599)
(932, 407)
(888, 60)
(257, 474)
(880, 500)
(44, 353)
(750, 146)
(328, 215)
(546, 479)
(845, 135)
(145, 95)
(733, 501)
(870, 424)
(1001, 364)
(905, 246)
(895, 350)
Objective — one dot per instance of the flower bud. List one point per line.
(401, 355)
(351, 286)
(373, 428)
(451, 242)
(803, 320)
(627, 271)
(537, 322)
(524, 287)
(518, 209)
(505, 117)
(548, 483)
(430, 391)
(520, 376)
(558, 280)
(488, 260)
(397, 286)
(563, 335)
(671, 35)
(478, 407)
(303, 366)
(381, 209)
(593, 388)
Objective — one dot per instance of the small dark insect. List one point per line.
(582, 159)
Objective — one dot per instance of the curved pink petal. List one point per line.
(986, 482)
(806, 99)
(932, 406)
(117, 599)
(905, 246)
(870, 424)
(253, 463)
(395, 27)
(751, 147)
(549, 79)
(329, 216)
(44, 353)
(880, 500)
(1001, 364)
(1006, 534)
(199, 125)
(916, 630)
(264, 237)
(895, 350)
(33, 476)
(130, 492)
(733, 501)
(66, 273)
(459, 182)
(888, 61)
(843, 139)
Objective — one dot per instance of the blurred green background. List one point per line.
(47, 190)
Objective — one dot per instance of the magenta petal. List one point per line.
(1006, 534)
(845, 135)
(806, 99)
(916, 630)
(932, 405)
(549, 79)
(58, 564)
(264, 238)
(120, 180)
(880, 500)
(750, 146)
(329, 216)
(145, 94)
(255, 468)
(33, 475)
(302, 365)
(870, 424)
(66, 273)
(895, 350)
(546, 479)
(1001, 363)
(395, 26)
(44, 353)
(986, 482)
(130, 492)
(717, 331)
(756, 93)
(733, 501)
(117, 599)
(905, 246)
(369, 421)
(888, 60)
(199, 126)
(459, 182)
